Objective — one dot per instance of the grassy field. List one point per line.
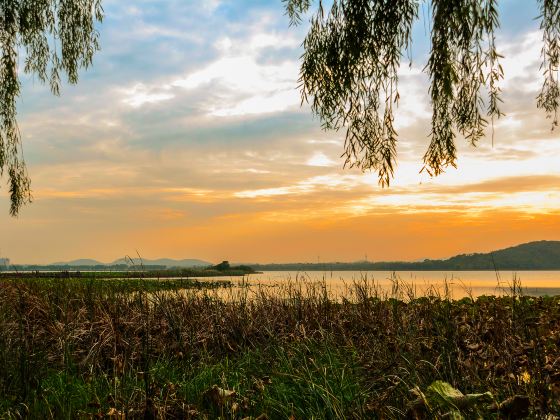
(184, 273)
(91, 348)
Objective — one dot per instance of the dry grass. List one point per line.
(159, 351)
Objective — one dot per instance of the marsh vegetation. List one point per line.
(90, 348)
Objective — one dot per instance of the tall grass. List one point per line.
(70, 348)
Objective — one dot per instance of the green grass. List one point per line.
(111, 286)
(135, 273)
(303, 380)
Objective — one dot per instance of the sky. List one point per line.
(187, 139)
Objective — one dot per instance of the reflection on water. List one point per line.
(385, 284)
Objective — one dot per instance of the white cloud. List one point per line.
(521, 59)
(245, 86)
(140, 94)
(259, 104)
(239, 84)
(133, 11)
(304, 186)
(510, 121)
(414, 102)
(242, 74)
(210, 6)
(320, 159)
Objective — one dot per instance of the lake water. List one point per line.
(402, 283)
(399, 284)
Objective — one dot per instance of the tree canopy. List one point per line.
(54, 37)
(351, 59)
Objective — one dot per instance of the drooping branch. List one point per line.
(463, 60)
(549, 97)
(349, 73)
(295, 8)
(55, 36)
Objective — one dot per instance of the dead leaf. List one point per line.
(113, 413)
(473, 347)
(218, 396)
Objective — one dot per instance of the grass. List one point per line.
(87, 348)
(136, 273)
(91, 287)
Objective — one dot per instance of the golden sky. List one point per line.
(186, 139)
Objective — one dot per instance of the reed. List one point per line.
(96, 347)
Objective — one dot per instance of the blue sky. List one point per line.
(186, 138)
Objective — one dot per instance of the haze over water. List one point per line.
(460, 283)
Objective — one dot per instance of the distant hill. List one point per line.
(82, 261)
(540, 255)
(167, 262)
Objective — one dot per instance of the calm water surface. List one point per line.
(459, 283)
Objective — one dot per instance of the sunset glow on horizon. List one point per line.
(186, 139)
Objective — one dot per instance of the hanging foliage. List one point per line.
(53, 37)
(352, 54)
